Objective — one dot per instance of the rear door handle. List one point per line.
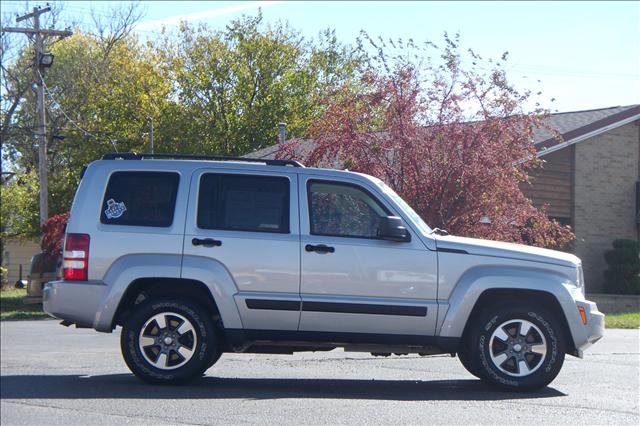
(206, 242)
(320, 248)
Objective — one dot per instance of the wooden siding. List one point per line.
(16, 253)
(552, 184)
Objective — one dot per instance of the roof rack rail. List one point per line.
(140, 156)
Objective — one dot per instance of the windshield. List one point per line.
(405, 207)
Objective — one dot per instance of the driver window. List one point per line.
(343, 210)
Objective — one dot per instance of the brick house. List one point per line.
(589, 181)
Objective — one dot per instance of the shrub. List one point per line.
(3, 275)
(53, 234)
(623, 275)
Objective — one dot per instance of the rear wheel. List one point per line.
(169, 341)
(516, 347)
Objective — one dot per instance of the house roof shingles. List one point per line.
(574, 124)
(570, 125)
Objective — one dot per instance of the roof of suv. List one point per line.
(228, 162)
(137, 156)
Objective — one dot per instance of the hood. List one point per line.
(507, 250)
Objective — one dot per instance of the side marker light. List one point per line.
(583, 314)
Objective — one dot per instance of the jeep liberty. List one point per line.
(197, 256)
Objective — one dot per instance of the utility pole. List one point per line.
(281, 133)
(150, 121)
(41, 61)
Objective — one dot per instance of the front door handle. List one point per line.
(320, 248)
(206, 242)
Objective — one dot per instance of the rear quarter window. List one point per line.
(244, 203)
(140, 199)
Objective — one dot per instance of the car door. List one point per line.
(247, 222)
(351, 280)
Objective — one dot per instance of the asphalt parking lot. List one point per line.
(56, 375)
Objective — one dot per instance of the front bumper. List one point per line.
(585, 335)
(77, 302)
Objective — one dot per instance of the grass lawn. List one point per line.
(12, 308)
(631, 320)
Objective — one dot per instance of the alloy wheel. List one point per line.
(167, 340)
(518, 348)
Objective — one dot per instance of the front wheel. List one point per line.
(463, 356)
(169, 341)
(517, 347)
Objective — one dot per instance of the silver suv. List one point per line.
(195, 257)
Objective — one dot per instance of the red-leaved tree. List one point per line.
(53, 234)
(455, 142)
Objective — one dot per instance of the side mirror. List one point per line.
(392, 228)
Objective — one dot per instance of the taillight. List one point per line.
(75, 258)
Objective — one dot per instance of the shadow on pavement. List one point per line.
(125, 386)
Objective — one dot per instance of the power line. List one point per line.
(78, 9)
(488, 65)
(72, 121)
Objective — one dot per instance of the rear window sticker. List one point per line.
(114, 209)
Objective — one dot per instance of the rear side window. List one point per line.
(140, 199)
(243, 203)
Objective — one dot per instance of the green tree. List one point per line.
(234, 86)
(211, 92)
(99, 93)
(19, 206)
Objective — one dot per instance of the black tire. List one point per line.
(215, 359)
(199, 342)
(500, 361)
(463, 356)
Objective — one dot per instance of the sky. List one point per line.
(586, 54)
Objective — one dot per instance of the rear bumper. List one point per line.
(77, 302)
(589, 333)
